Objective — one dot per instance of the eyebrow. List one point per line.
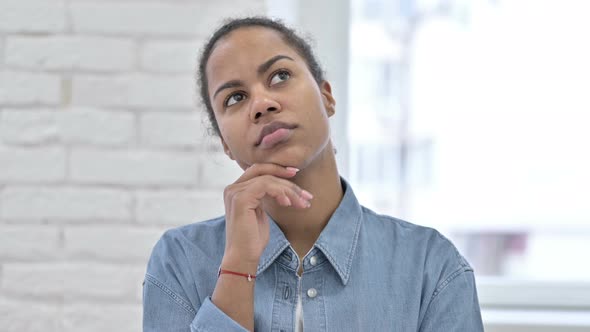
(261, 70)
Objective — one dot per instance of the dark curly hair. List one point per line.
(289, 35)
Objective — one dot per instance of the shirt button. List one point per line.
(312, 292)
(313, 260)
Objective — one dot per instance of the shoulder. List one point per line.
(198, 233)
(203, 234)
(433, 253)
(182, 251)
(405, 231)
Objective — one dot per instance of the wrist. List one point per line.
(238, 264)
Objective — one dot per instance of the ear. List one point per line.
(226, 149)
(329, 101)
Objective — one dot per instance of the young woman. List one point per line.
(295, 250)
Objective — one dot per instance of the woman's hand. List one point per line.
(247, 225)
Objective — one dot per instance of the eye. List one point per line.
(234, 98)
(280, 76)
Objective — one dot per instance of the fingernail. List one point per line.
(293, 169)
(306, 194)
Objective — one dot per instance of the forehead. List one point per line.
(245, 49)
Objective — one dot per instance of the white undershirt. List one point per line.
(299, 307)
(299, 314)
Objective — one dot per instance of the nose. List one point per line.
(262, 104)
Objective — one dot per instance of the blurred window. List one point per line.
(473, 117)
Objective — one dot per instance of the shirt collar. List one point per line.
(337, 241)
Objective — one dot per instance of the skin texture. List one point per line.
(255, 79)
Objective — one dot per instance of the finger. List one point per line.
(249, 194)
(284, 192)
(267, 169)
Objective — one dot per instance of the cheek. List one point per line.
(226, 132)
(233, 136)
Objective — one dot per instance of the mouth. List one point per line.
(274, 133)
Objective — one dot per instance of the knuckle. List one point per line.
(295, 188)
(227, 192)
(235, 198)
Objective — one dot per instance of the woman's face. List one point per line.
(267, 104)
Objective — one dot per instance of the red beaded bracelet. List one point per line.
(247, 275)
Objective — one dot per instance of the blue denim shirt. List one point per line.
(366, 272)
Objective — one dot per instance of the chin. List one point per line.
(288, 156)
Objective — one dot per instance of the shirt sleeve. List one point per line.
(171, 302)
(164, 310)
(454, 306)
(211, 318)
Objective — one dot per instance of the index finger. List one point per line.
(267, 169)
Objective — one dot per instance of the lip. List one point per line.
(271, 128)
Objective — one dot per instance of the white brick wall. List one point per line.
(102, 148)
(90, 317)
(66, 204)
(29, 242)
(19, 16)
(166, 130)
(134, 90)
(74, 280)
(61, 52)
(39, 316)
(169, 56)
(157, 18)
(138, 168)
(125, 243)
(170, 207)
(72, 126)
(22, 165)
(27, 127)
(86, 126)
(18, 88)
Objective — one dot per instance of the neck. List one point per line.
(303, 227)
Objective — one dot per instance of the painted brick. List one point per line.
(38, 242)
(32, 16)
(218, 171)
(32, 165)
(170, 56)
(178, 207)
(110, 243)
(157, 19)
(29, 316)
(98, 317)
(136, 90)
(133, 18)
(77, 125)
(180, 130)
(96, 127)
(109, 281)
(133, 167)
(28, 126)
(72, 281)
(43, 280)
(65, 204)
(29, 88)
(70, 52)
